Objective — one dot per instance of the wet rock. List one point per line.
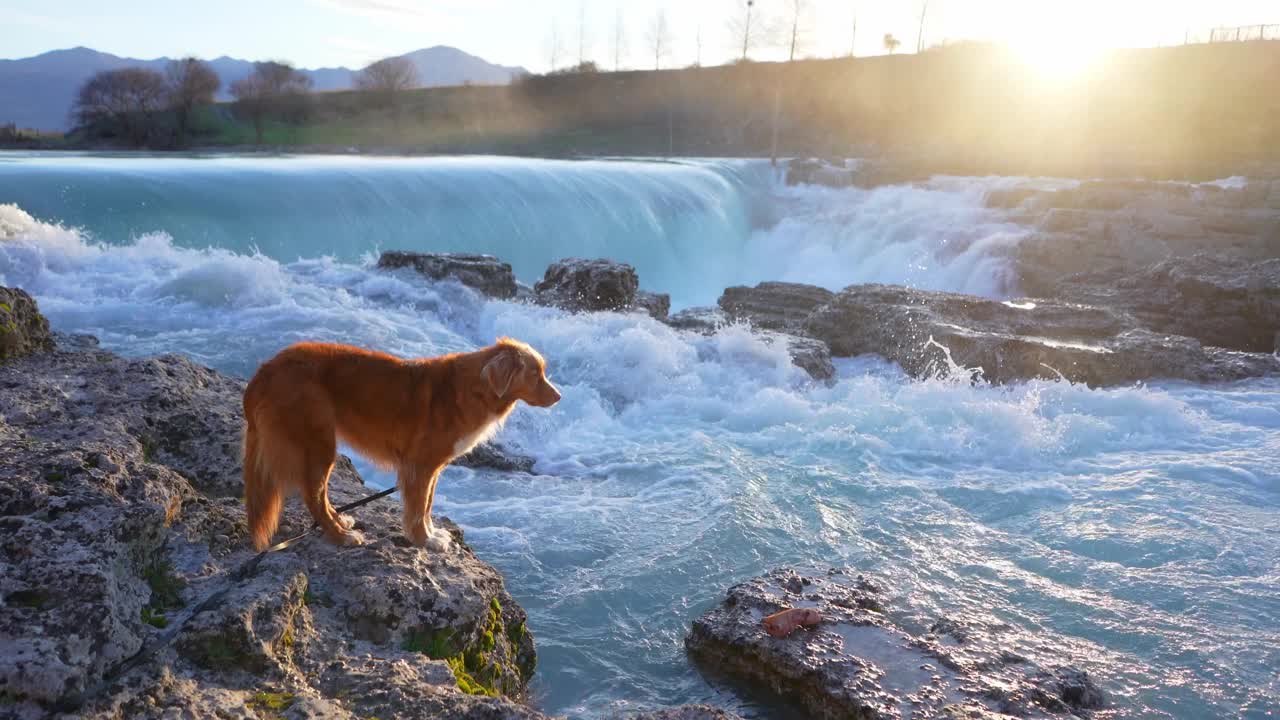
(781, 306)
(580, 285)
(1010, 198)
(859, 663)
(121, 521)
(686, 712)
(1128, 226)
(703, 320)
(658, 305)
(935, 334)
(812, 356)
(23, 330)
(495, 456)
(812, 171)
(1218, 301)
(485, 273)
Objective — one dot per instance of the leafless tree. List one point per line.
(798, 36)
(619, 39)
(924, 10)
(272, 88)
(128, 97)
(555, 45)
(746, 27)
(891, 43)
(191, 83)
(697, 41)
(659, 37)
(387, 78)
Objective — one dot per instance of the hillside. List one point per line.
(1176, 112)
(37, 92)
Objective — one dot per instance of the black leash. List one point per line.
(246, 569)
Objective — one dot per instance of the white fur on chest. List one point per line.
(467, 442)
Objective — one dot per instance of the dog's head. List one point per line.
(517, 372)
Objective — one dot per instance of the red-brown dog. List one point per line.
(412, 415)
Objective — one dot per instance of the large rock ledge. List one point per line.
(120, 511)
(859, 664)
(1164, 323)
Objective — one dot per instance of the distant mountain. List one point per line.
(37, 92)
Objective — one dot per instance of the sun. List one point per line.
(1062, 58)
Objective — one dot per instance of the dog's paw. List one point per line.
(346, 521)
(417, 533)
(438, 539)
(352, 538)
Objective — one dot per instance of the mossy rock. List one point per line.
(23, 330)
(489, 657)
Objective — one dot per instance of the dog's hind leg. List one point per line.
(318, 465)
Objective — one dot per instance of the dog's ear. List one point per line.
(500, 371)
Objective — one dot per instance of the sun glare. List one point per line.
(1061, 46)
(1058, 59)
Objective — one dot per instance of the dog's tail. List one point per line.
(263, 497)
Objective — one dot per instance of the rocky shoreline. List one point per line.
(129, 589)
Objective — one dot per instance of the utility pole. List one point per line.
(924, 10)
(617, 38)
(853, 36)
(582, 33)
(746, 30)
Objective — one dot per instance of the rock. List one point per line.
(935, 334)
(23, 330)
(704, 320)
(495, 456)
(1218, 301)
(859, 663)
(686, 712)
(1010, 198)
(812, 171)
(485, 273)
(780, 306)
(121, 520)
(658, 305)
(581, 285)
(812, 356)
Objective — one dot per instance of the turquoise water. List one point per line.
(1136, 529)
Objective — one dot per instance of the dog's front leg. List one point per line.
(417, 488)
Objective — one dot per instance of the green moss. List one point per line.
(273, 701)
(55, 476)
(287, 638)
(466, 682)
(437, 645)
(475, 666)
(154, 617)
(166, 588)
(219, 654)
(34, 599)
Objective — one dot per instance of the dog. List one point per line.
(415, 416)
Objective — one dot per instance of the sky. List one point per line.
(352, 33)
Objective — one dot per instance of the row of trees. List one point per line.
(749, 27)
(129, 99)
(130, 102)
